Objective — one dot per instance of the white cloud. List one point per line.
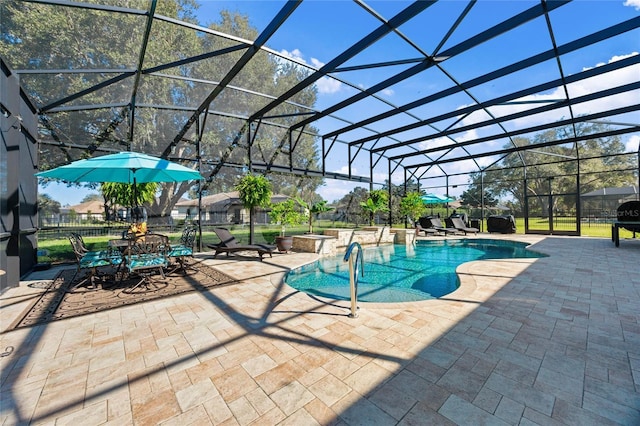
(446, 142)
(388, 92)
(633, 143)
(317, 63)
(345, 170)
(294, 54)
(325, 85)
(580, 88)
(632, 3)
(334, 190)
(328, 85)
(613, 58)
(434, 143)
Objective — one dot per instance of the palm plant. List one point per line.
(376, 203)
(314, 210)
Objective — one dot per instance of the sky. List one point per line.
(322, 29)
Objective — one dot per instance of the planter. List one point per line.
(284, 244)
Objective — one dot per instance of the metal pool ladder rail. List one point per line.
(354, 266)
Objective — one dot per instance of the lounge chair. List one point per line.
(436, 223)
(459, 225)
(427, 231)
(228, 244)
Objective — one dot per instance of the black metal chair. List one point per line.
(182, 251)
(89, 261)
(146, 256)
(83, 247)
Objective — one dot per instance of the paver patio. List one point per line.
(554, 340)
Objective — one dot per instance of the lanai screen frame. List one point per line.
(388, 148)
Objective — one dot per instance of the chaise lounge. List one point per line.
(427, 231)
(458, 224)
(229, 244)
(438, 226)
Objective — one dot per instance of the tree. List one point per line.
(254, 191)
(91, 197)
(233, 143)
(397, 192)
(375, 203)
(95, 41)
(314, 209)
(599, 167)
(122, 194)
(286, 213)
(475, 196)
(412, 205)
(47, 206)
(348, 207)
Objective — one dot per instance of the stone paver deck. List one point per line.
(528, 341)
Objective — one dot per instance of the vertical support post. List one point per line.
(481, 200)
(199, 130)
(550, 206)
(389, 203)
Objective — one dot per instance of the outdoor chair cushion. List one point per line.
(457, 223)
(437, 225)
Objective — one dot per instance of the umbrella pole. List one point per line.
(135, 193)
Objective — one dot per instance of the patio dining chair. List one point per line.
(89, 261)
(146, 257)
(183, 250)
(83, 247)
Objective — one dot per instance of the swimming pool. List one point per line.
(399, 273)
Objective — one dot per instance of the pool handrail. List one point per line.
(353, 275)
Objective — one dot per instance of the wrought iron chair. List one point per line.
(183, 250)
(146, 255)
(85, 249)
(87, 260)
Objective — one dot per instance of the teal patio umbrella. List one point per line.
(436, 199)
(125, 167)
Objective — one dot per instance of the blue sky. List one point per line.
(320, 29)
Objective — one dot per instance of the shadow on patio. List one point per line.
(552, 339)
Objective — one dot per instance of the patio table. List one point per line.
(615, 230)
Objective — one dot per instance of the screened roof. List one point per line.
(378, 89)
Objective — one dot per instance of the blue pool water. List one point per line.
(399, 273)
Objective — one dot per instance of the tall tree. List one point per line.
(475, 196)
(92, 39)
(47, 206)
(348, 207)
(599, 167)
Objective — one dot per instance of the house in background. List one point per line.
(604, 202)
(224, 207)
(89, 210)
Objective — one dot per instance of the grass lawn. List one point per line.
(59, 250)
